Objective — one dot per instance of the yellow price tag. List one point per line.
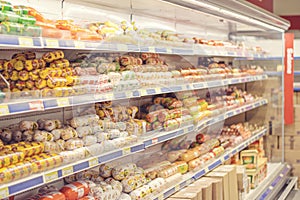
(126, 151)
(4, 192)
(143, 92)
(67, 171)
(25, 42)
(36, 105)
(93, 162)
(52, 43)
(109, 96)
(51, 177)
(177, 188)
(61, 102)
(122, 47)
(4, 110)
(79, 44)
(161, 197)
(152, 49)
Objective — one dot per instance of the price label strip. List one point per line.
(52, 43)
(61, 102)
(51, 177)
(79, 45)
(177, 188)
(161, 197)
(93, 162)
(152, 49)
(25, 42)
(36, 105)
(4, 192)
(122, 47)
(4, 110)
(67, 171)
(126, 151)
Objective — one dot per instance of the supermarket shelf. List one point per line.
(45, 104)
(10, 41)
(212, 165)
(231, 113)
(37, 180)
(270, 186)
(165, 136)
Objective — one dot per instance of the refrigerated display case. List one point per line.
(163, 91)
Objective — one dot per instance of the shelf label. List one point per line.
(122, 47)
(4, 110)
(126, 151)
(169, 50)
(154, 140)
(51, 177)
(189, 181)
(36, 105)
(4, 192)
(52, 43)
(67, 171)
(25, 42)
(93, 162)
(177, 187)
(79, 44)
(61, 102)
(161, 197)
(152, 49)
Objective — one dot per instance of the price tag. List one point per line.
(154, 140)
(169, 51)
(52, 43)
(177, 188)
(152, 49)
(143, 92)
(4, 110)
(36, 105)
(51, 177)
(188, 182)
(161, 197)
(79, 44)
(67, 171)
(122, 47)
(109, 96)
(126, 151)
(25, 42)
(4, 192)
(61, 102)
(93, 162)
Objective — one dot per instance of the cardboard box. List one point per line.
(185, 194)
(197, 189)
(292, 129)
(290, 156)
(290, 142)
(206, 189)
(225, 182)
(241, 177)
(217, 192)
(231, 170)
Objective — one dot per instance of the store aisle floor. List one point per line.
(294, 195)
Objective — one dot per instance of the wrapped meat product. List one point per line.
(74, 143)
(86, 120)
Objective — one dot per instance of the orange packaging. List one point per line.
(75, 190)
(87, 198)
(53, 196)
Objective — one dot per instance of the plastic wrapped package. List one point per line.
(105, 170)
(11, 28)
(26, 19)
(95, 149)
(5, 6)
(21, 10)
(7, 16)
(140, 193)
(8, 157)
(76, 190)
(67, 133)
(156, 183)
(52, 196)
(121, 171)
(44, 162)
(28, 148)
(75, 155)
(84, 131)
(87, 198)
(102, 136)
(87, 120)
(14, 172)
(133, 182)
(74, 143)
(52, 147)
(125, 196)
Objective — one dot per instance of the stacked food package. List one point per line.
(16, 20)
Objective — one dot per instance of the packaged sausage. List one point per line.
(42, 136)
(75, 190)
(130, 183)
(125, 196)
(120, 172)
(14, 172)
(140, 193)
(89, 140)
(84, 130)
(75, 155)
(168, 171)
(87, 198)
(105, 170)
(74, 143)
(29, 149)
(95, 149)
(53, 196)
(182, 166)
(68, 133)
(8, 157)
(102, 136)
(156, 183)
(52, 56)
(87, 120)
(174, 155)
(52, 147)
